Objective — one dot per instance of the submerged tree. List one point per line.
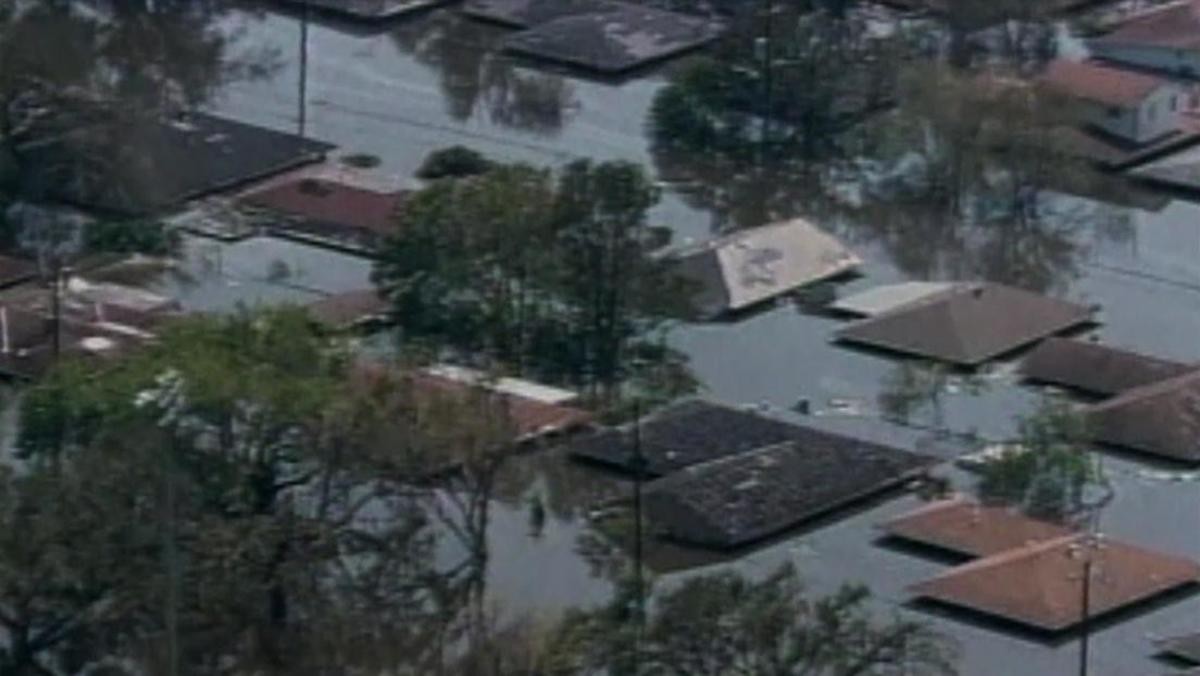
(551, 276)
(724, 624)
(1049, 473)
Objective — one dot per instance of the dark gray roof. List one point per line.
(1186, 648)
(1095, 369)
(738, 500)
(1161, 419)
(151, 165)
(969, 324)
(368, 9)
(14, 271)
(614, 40)
(684, 434)
(526, 13)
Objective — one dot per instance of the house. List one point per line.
(748, 267)
(887, 297)
(1161, 419)
(740, 499)
(329, 212)
(603, 36)
(1040, 586)
(967, 324)
(350, 310)
(1134, 107)
(681, 435)
(964, 528)
(1164, 39)
(153, 165)
(367, 10)
(1094, 369)
(15, 271)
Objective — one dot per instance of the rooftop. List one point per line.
(888, 297)
(684, 434)
(968, 324)
(1095, 369)
(1160, 419)
(1185, 648)
(526, 13)
(328, 208)
(14, 271)
(369, 9)
(1101, 84)
(750, 266)
(617, 39)
(349, 309)
(1174, 26)
(1040, 586)
(158, 164)
(734, 501)
(505, 385)
(969, 529)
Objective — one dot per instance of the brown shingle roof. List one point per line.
(969, 324)
(969, 529)
(1161, 419)
(1100, 84)
(1041, 585)
(1173, 26)
(1096, 369)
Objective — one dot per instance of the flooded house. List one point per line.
(1041, 586)
(681, 435)
(880, 299)
(153, 165)
(968, 324)
(1134, 107)
(1094, 369)
(962, 527)
(1165, 38)
(367, 10)
(328, 212)
(734, 501)
(1161, 419)
(749, 267)
(350, 310)
(602, 36)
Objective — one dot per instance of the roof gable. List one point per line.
(1160, 419)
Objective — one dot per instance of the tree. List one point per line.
(543, 276)
(1050, 474)
(453, 162)
(283, 489)
(723, 624)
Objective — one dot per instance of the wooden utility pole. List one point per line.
(639, 462)
(302, 116)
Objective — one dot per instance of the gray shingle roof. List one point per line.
(737, 500)
(1096, 369)
(684, 434)
(969, 324)
(525, 13)
(1186, 648)
(614, 40)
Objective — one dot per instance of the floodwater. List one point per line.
(434, 80)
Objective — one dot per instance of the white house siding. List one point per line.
(1183, 62)
(1154, 117)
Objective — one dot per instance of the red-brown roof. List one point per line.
(345, 310)
(320, 200)
(1173, 26)
(1100, 84)
(530, 419)
(1160, 419)
(1041, 585)
(970, 529)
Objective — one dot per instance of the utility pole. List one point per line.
(1085, 629)
(639, 462)
(302, 117)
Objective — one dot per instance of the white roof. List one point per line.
(881, 299)
(512, 386)
(118, 295)
(759, 263)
